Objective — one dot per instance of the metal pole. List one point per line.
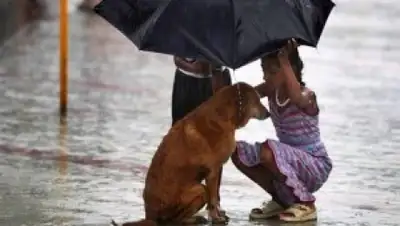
(63, 57)
(63, 83)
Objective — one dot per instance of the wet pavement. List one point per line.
(92, 170)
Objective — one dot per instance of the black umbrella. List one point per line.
(226, 32)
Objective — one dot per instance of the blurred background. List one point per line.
(92, 169)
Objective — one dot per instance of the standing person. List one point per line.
(294, 167)
(195, 81)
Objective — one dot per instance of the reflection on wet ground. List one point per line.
(119, 109)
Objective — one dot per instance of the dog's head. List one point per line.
(245, 104)
(249, 104)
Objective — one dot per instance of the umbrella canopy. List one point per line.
(226, 32)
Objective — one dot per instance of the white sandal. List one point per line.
(268, 210)
(299, 213)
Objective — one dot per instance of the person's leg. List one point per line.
(187, 94)
(258, 174)
(246, 159)
(298, 175)
(177, 100)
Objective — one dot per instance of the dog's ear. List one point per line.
(243, 99)
(259, 111)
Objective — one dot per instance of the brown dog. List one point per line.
(195, 149)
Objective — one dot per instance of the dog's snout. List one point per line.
(263, 113)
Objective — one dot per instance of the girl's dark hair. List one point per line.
(297, 65)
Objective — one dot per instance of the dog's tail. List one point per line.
(137, 223)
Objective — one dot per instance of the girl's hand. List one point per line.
(283, 54)
(293, 86)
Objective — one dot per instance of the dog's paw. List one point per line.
(222, 212)
(222, 220)
(195, 220)
(217, 216)
(201, 220)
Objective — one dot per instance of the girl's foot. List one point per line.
(268, 210)
(299, 213)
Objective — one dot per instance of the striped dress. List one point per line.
(299, 154)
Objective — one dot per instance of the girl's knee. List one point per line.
(235, 158)
(266, 155)
(238, 162)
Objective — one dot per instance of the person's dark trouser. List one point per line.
(189, 92)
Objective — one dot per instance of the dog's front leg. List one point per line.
(212, 184)
(219, 194)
